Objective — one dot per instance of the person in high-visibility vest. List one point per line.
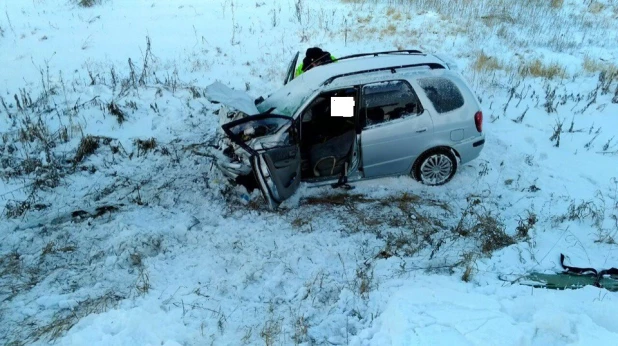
(313, 57)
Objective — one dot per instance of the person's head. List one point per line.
(313, 57)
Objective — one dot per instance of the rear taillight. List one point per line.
(478, 121)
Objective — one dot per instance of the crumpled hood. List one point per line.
(238, 100)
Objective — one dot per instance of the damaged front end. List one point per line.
(229, 157)
(242, 139)
(254, 147)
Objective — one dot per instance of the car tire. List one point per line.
(435, 167)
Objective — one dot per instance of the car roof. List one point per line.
(287, 99)
(379, 76)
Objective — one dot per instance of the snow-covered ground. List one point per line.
(119, 240)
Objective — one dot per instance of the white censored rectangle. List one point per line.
(342, 107)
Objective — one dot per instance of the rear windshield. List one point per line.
(443, 93)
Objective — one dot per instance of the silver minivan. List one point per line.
(364, 116)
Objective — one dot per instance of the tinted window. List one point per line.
(387, 101)
(319, 108)
(443, 93)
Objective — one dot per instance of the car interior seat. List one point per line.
(329, 158)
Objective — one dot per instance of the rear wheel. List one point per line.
(435, 167)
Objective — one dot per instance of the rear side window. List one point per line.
(386, 101)
(443, 93)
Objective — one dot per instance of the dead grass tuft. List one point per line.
(390, 30)
(14, 209)
(596, 7)
(301, 328)
(468, 260)
(88, 3)
(556, 3)
(270, 332)
(485, 63)
(394, 13)
(10, 264)
(536, 68)
(113, 109)
(592, 66)
(87, 146)
(65, 320)
(479, 223)
(492, 234)
(364, 282)
(525, 225)
(585, 210)
(365, 20)
(142, 285)
(335, 199)
(144, 146)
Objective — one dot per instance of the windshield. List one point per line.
(286, 102)
(283, 108)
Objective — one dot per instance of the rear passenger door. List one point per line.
(395, 128)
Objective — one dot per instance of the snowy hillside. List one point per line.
(117, 230)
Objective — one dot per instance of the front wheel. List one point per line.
(435, 167)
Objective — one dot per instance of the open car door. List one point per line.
(272, 142)
(291, 69)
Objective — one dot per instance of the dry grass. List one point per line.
(394, 13)
(524, 225)
(582, 211)
(301, 328)
(88, 3)
(493, 235)
(270, 332)
(390, 30)
(144, 146)
(591, 65)
(536, 68)
(556, 3)
(335, 199)
(364, 281)
(115, 110)
(481, 224)
(518, 24)
(87, 146)
(468, 260)
(64, 321)
(364, 20)
(596, 7)
(485, 63)
(10, 264)
(142, 285)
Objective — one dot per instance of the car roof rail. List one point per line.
(431, 65)
(409, 51)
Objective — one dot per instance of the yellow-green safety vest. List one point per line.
(299, 69)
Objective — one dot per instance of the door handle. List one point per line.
(421, 130)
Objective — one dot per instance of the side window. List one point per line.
(387, 101)
(443, 93)
(317, 123)
(319, 109)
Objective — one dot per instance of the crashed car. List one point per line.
(408, 113)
